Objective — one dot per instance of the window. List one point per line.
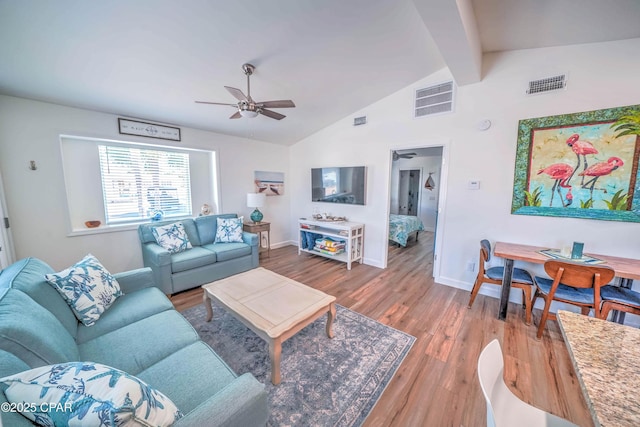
(138, 183)
(121, 183)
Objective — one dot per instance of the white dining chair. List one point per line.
(505, 409)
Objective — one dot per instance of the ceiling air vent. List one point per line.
(547, 84)
(436, 99)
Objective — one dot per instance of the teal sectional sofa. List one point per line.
(140, 334)
(205, 262)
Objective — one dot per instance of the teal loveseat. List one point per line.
(140, 334)
(205, 262)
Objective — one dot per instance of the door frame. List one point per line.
(442, 197)
(7, 254)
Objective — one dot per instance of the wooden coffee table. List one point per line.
(273, 306)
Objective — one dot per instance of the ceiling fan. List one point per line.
(247, 107)
(397, 156)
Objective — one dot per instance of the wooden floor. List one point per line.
(437, 383)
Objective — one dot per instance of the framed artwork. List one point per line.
(581, 165)
(150, 130)
(269, 183)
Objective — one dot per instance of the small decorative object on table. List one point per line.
(205, 209)
(576, 251)
(92, 224)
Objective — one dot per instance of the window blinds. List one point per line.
(140, 183)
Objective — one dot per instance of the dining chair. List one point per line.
(521, 279)
(571, 283)
(619, 298)
(503, 407)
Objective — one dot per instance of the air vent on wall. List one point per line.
(360, 121)
(547, 84)
(436, 99)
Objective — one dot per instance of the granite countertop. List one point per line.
(606, 357)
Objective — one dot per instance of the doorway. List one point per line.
(418, 188)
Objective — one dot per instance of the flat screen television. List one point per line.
(339, 185)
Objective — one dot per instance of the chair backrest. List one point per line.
(579, 275)
(505, 409)
(490, 367)
(485, 250)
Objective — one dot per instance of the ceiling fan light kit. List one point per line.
(249, 108)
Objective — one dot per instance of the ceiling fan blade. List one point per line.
(284, 103)
(271, 114)
(217, 103)
(237, 115)
(237, 93)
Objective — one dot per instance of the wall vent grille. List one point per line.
(358, 121)
(547, 84)
(436, 99)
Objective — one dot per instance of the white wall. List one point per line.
(30, 130)
(600, 76)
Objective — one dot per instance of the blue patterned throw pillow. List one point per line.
(172, 237)
(88, 288)
(229, 230)
(88, 394)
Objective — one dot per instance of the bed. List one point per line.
(402, 226)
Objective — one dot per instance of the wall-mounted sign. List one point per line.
(151, 130)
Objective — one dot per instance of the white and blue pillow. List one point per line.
(87, 287)
(172, 237)
(229, 230)
(87, 393)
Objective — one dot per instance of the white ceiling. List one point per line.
(151, 59)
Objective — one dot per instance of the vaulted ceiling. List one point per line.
(151, 59)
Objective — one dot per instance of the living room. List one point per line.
(600, 75)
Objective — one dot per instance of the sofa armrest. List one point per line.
(134, 280)
(250, 239)
(241, 403)
(156, 254)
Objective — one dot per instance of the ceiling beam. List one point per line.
(452, 25)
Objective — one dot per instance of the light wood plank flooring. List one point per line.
(437, 384)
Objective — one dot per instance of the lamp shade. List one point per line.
(256, 200)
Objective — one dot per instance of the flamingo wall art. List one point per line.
(582, 165)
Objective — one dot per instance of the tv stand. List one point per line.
(352, 233)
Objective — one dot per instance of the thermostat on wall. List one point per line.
(473, 185)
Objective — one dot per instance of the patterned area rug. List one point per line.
(325, 382)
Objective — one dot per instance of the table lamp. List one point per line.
(256, 200)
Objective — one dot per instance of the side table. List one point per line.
(258, 228)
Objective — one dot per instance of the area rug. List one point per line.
(325, 382)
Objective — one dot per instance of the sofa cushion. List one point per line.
(127, 309)
(88, 393)
(88, 288)
(139, 345)
(197, 373)
(145, 232)
(207, 226)
(27, 275)
(229, 230)
(172, 237)
(227, 251)
(32, 333)
(193, 258)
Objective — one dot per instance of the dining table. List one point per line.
(606, 359)
(627, 269)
